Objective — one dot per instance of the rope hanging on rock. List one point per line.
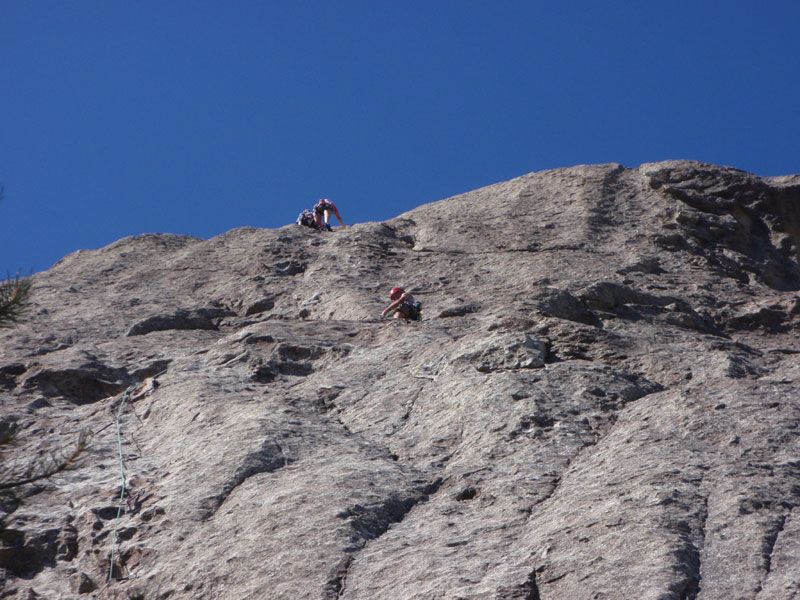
(122, 472)
(122, 492)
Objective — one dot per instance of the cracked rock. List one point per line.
(601, 401)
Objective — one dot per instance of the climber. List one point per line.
(403, 305)
(306, 218)
(322, 214)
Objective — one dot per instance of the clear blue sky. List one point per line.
(194, 117)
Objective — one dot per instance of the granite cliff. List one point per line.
(602, 401)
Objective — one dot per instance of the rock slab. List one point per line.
(602, 402)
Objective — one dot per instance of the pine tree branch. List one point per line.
(14, 294)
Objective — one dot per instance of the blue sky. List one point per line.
(195, 117)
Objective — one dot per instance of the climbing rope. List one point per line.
(122, 492)
(122, 474)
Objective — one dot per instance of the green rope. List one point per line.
(122, 473)
(122, 493)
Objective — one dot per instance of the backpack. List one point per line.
(306, 218)
(417, 306)
(412, 310)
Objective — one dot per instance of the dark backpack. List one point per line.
(417, 311)
(412, 310)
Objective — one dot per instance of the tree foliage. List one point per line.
(14, 299)
(14, 295)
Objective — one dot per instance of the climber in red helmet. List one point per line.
(403, 305)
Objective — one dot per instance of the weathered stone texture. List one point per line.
(602, 401)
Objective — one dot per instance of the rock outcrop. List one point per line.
(602, 401)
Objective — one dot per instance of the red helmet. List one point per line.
(396, 293)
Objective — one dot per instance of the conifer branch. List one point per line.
(14, 293)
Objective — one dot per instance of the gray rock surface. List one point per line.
(602, 401)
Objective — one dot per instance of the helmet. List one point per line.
(395, 293)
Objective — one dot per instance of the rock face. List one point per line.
(602, 401)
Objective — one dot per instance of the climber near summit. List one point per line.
(322, 214)
(306, 218)
(403, 305)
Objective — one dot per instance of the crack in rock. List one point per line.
(268, 459)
